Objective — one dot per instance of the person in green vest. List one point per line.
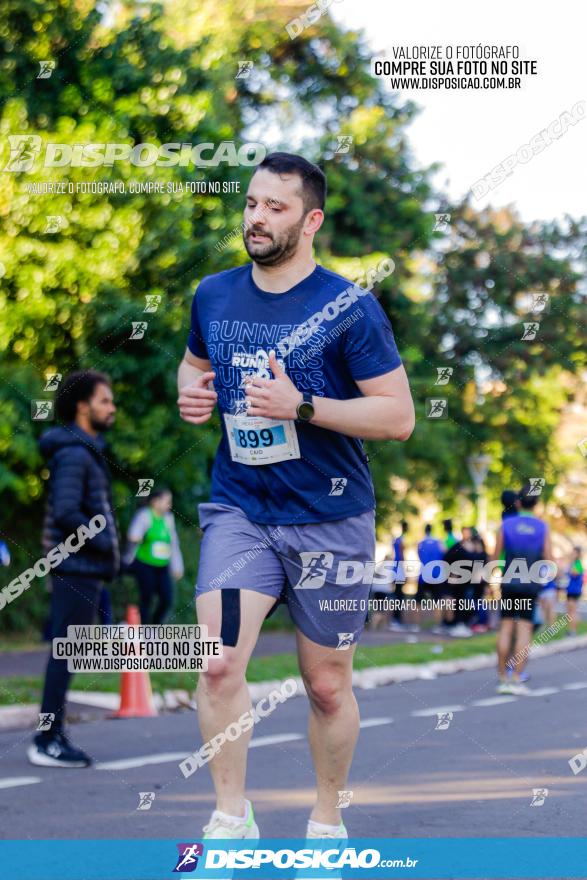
(154, 555)
(450, 539)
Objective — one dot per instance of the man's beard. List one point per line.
(100, 424)
(276, 251)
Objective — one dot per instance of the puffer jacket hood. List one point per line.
(56, 438)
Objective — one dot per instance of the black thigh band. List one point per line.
(231, 616)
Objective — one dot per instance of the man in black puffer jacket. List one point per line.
(79, 489)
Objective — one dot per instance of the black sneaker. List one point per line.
(56, 751)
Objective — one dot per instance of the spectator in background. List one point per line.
(480, 615)
(79, 490)
(450, 538)
(154, 555)
(397, 624)
(4, 555)
(462, 587)
(430, 550)
(574, 589)
(510, 502)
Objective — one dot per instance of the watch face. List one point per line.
(305, 411)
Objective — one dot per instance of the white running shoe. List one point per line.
(317, 830)
(504, 687)
(519, 689)
(221, 825)
(516, 688)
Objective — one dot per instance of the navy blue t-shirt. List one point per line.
(235, 325)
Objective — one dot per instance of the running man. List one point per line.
(299, 370)
(574, 589)
(522, 539)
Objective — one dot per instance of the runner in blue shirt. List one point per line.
(301, 364)
(522, 540)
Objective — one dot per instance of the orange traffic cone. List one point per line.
(136, 696)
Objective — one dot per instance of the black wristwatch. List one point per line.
(305, 409)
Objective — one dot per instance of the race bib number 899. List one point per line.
(254, 440)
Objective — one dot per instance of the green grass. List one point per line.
(18, 689)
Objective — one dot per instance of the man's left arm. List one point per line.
(384, 412)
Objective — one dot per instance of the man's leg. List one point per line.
(572, 613)
(222, 695)
(524, 629)
(399, 597)
(74, 601)
(334, 721)
(504, 642)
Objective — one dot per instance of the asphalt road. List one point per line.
(409, 779)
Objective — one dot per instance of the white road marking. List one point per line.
(19, 780)
(142, 761)
(495, 701)
(542, 692)
(575, 686)
(168, 757)
(275, 739)
(375, 722)
(436, 710)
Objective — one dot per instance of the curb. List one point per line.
(380, 676)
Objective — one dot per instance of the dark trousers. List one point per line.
(399, 596)
(105, 608)
(74, 600)
(463, 593)
(153, 581)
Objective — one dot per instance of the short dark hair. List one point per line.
(527, 501)
(77, 387)
(447, 523)
(159, 493)
(313, 178)
(508, 499)
(427, 529)
(404, 525)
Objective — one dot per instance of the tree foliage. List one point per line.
(151, 73)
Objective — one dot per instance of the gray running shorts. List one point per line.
(317, 568)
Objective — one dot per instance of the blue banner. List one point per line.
(273, 859)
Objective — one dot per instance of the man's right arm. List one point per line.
(197, 397)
